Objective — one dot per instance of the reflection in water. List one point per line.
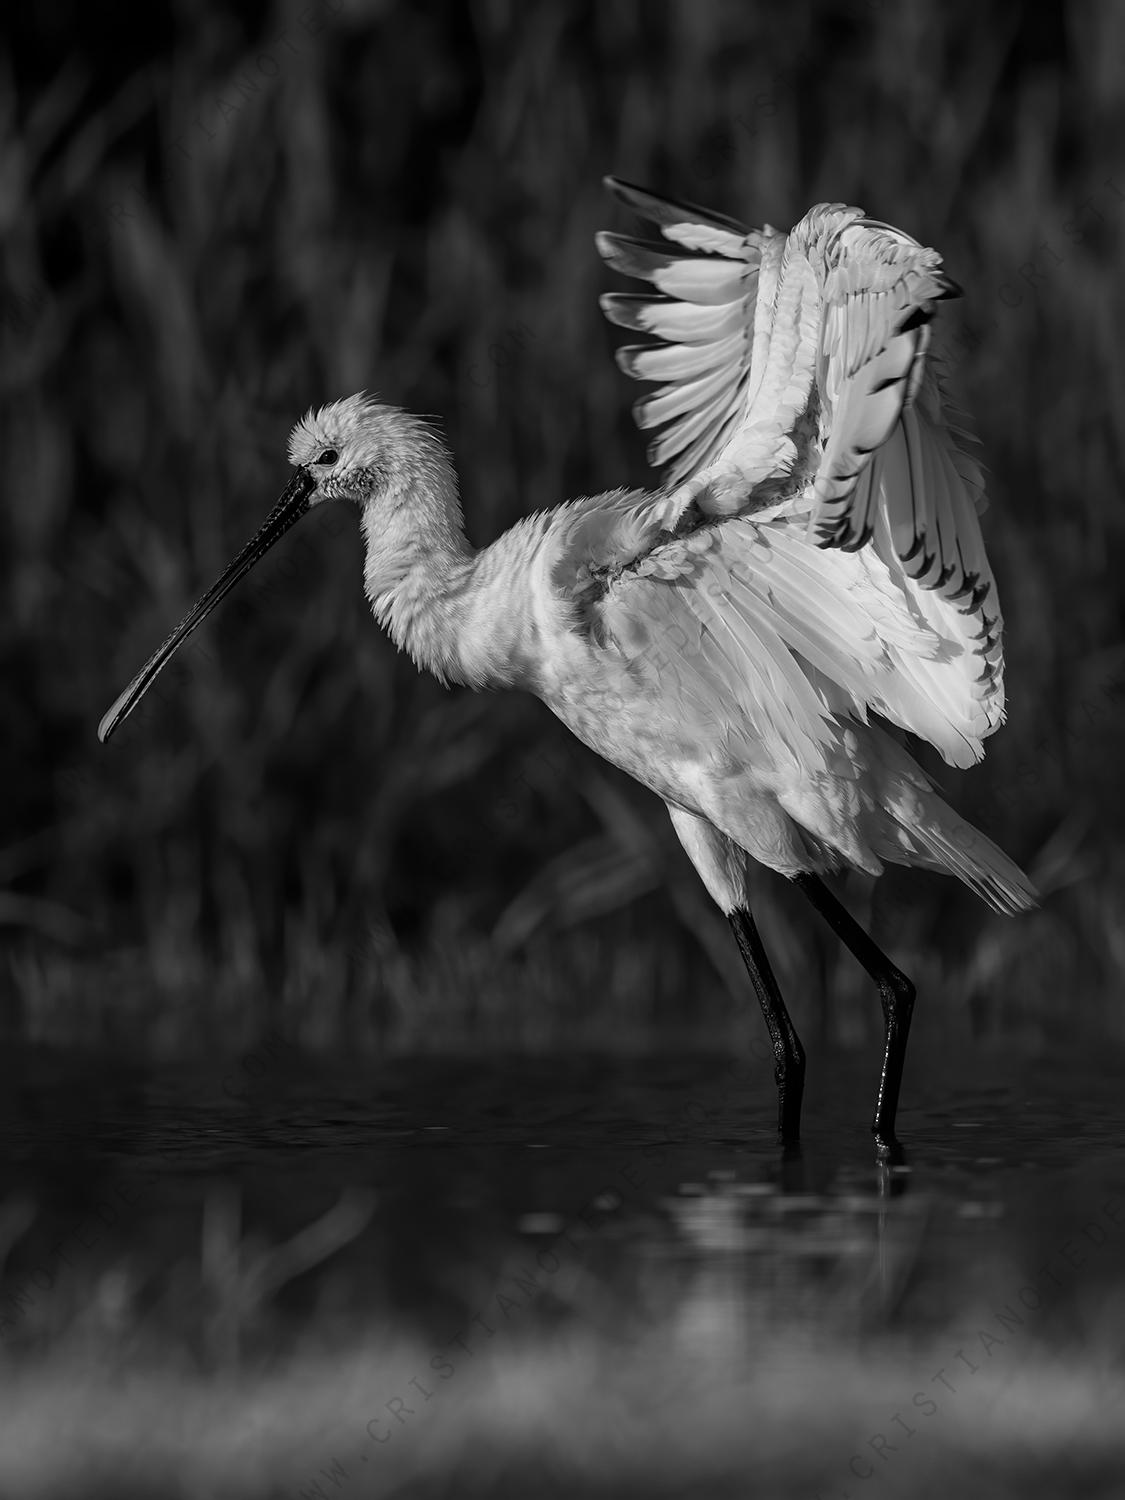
(550, 1277)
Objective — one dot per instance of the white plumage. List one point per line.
(739, 639)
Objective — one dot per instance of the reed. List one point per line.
(207, 230)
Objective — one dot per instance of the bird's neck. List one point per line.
(422, 576)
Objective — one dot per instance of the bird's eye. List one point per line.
(328, 457)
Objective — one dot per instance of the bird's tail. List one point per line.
(930, 834)
(907, 822)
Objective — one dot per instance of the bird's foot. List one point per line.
(888, 1148)
(789, 1076)
(789, 1124)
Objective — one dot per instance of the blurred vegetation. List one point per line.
(212, 219)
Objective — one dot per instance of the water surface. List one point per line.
(573, 1276)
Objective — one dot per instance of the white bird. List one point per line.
(738, 639)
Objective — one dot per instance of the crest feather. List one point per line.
(329, 426)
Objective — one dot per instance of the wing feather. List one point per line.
(677, 442)
(770, 639)
(691, 278)
(677, 361)
(710, 391)
(681, 322)
(710, 281)
(799, 367)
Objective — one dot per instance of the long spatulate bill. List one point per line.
(288, 510)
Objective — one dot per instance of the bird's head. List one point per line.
(347, 449)
(355, 449)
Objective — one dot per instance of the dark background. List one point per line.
(214, 217)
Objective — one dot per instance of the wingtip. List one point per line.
(661, 210)
(614, 250)
(626, 309)
(111, 718)
(620, 188)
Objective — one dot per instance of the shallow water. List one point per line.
(568, 1227)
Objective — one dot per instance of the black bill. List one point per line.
(289, 509)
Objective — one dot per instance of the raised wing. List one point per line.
(826, 405)
(703, 312)
(893, 471)
(879, 290)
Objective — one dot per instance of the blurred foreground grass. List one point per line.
(577, 1416)
(210, 223)
(702, 1385)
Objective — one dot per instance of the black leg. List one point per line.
(896, 994)
(789, 1072)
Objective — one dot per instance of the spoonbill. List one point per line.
(738, 639)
